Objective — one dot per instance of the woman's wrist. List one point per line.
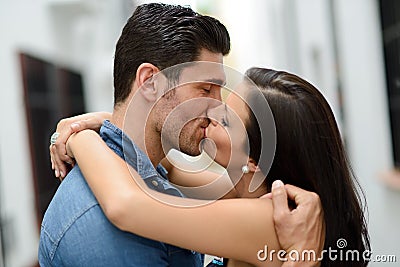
(77, 139)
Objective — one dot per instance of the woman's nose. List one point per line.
(213, 122)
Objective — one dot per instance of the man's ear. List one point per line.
(145, 81)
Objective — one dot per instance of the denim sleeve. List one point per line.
(44, 253)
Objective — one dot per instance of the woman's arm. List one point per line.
(199, 182)
(234, 228)
(66, 127)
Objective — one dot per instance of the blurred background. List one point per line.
(56, 60)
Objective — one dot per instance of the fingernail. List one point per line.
(277, 184)
(62, 174)
(56, 173)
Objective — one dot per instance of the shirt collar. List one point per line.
(120, 142)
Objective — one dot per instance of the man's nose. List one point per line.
(204, 105)
(213, 104)
(213, 122)
(216, 100)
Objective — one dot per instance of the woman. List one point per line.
(309, 154)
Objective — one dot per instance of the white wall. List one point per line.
(316, 53)
(257, 31)
(77, 34)
(23, 26)
(366, 111)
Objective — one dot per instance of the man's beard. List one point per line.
(186, 139)
(188, 144)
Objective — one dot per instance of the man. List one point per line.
(75, 231)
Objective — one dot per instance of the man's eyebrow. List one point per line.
(216, 81)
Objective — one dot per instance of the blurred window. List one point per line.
(390, 19)
(51, 92)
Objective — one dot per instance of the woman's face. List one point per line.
(228, 132)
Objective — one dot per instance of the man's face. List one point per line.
(183, 119)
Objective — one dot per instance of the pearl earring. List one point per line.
(245, 169)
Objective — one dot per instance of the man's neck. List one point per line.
(132, 121)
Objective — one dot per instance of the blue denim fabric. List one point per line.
(75, 231)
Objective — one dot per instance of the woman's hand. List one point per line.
(61, 162)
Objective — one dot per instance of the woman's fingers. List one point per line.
(88, 121)
(279, 200)
(60, 169)
(93, 123)
(60, 161)
(51, 158)
(60, 157)
(58, 151)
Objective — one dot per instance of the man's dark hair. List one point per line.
(163, 35)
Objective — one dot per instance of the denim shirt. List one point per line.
(155, 178)
(75, 231)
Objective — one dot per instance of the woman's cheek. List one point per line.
(223, 144)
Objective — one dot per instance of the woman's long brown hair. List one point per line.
(310, 154)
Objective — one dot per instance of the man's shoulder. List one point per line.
(74, 189)
(72, 199)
